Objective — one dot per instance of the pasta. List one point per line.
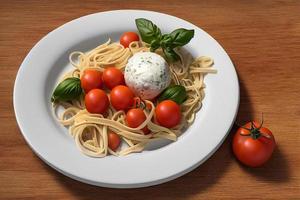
(90, 131)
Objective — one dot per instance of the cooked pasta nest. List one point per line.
(90, 131)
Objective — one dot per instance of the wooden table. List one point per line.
(263, 40)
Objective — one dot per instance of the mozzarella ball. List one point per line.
(147, 74)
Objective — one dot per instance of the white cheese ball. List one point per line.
(147, 74)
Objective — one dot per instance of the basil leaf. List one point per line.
(166, 40)
(154, 45)
(147, 30)
(181, 37)
(151, 34)
(171, 55)
(176, 93)
(67, 90)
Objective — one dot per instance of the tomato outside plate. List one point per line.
(253, 144)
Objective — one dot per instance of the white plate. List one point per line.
(48, 59)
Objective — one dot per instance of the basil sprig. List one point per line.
(148, 31)
(175, 93)
(152, 35)
(67, 90)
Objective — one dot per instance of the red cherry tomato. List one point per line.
(253, 145)
(91, 79)
(96, 101)
(128, 37)
(114, 141)
(121, 97)
(136, 117)
(113, 77)
(168, 113)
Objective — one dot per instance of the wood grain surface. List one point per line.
(261, 37)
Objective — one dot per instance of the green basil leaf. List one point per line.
(166, 40)
(176, 93)
(147, 30)
(171, 55)
(181, 37)
(151, 34)
(67, 90)
(154, 45)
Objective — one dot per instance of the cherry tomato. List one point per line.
(253, 145)
(114, 140)
(128, 37)
(91, 79)
(96, 101)
(113, 77)
(136, 117)
(121, 97)
(168, 113)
